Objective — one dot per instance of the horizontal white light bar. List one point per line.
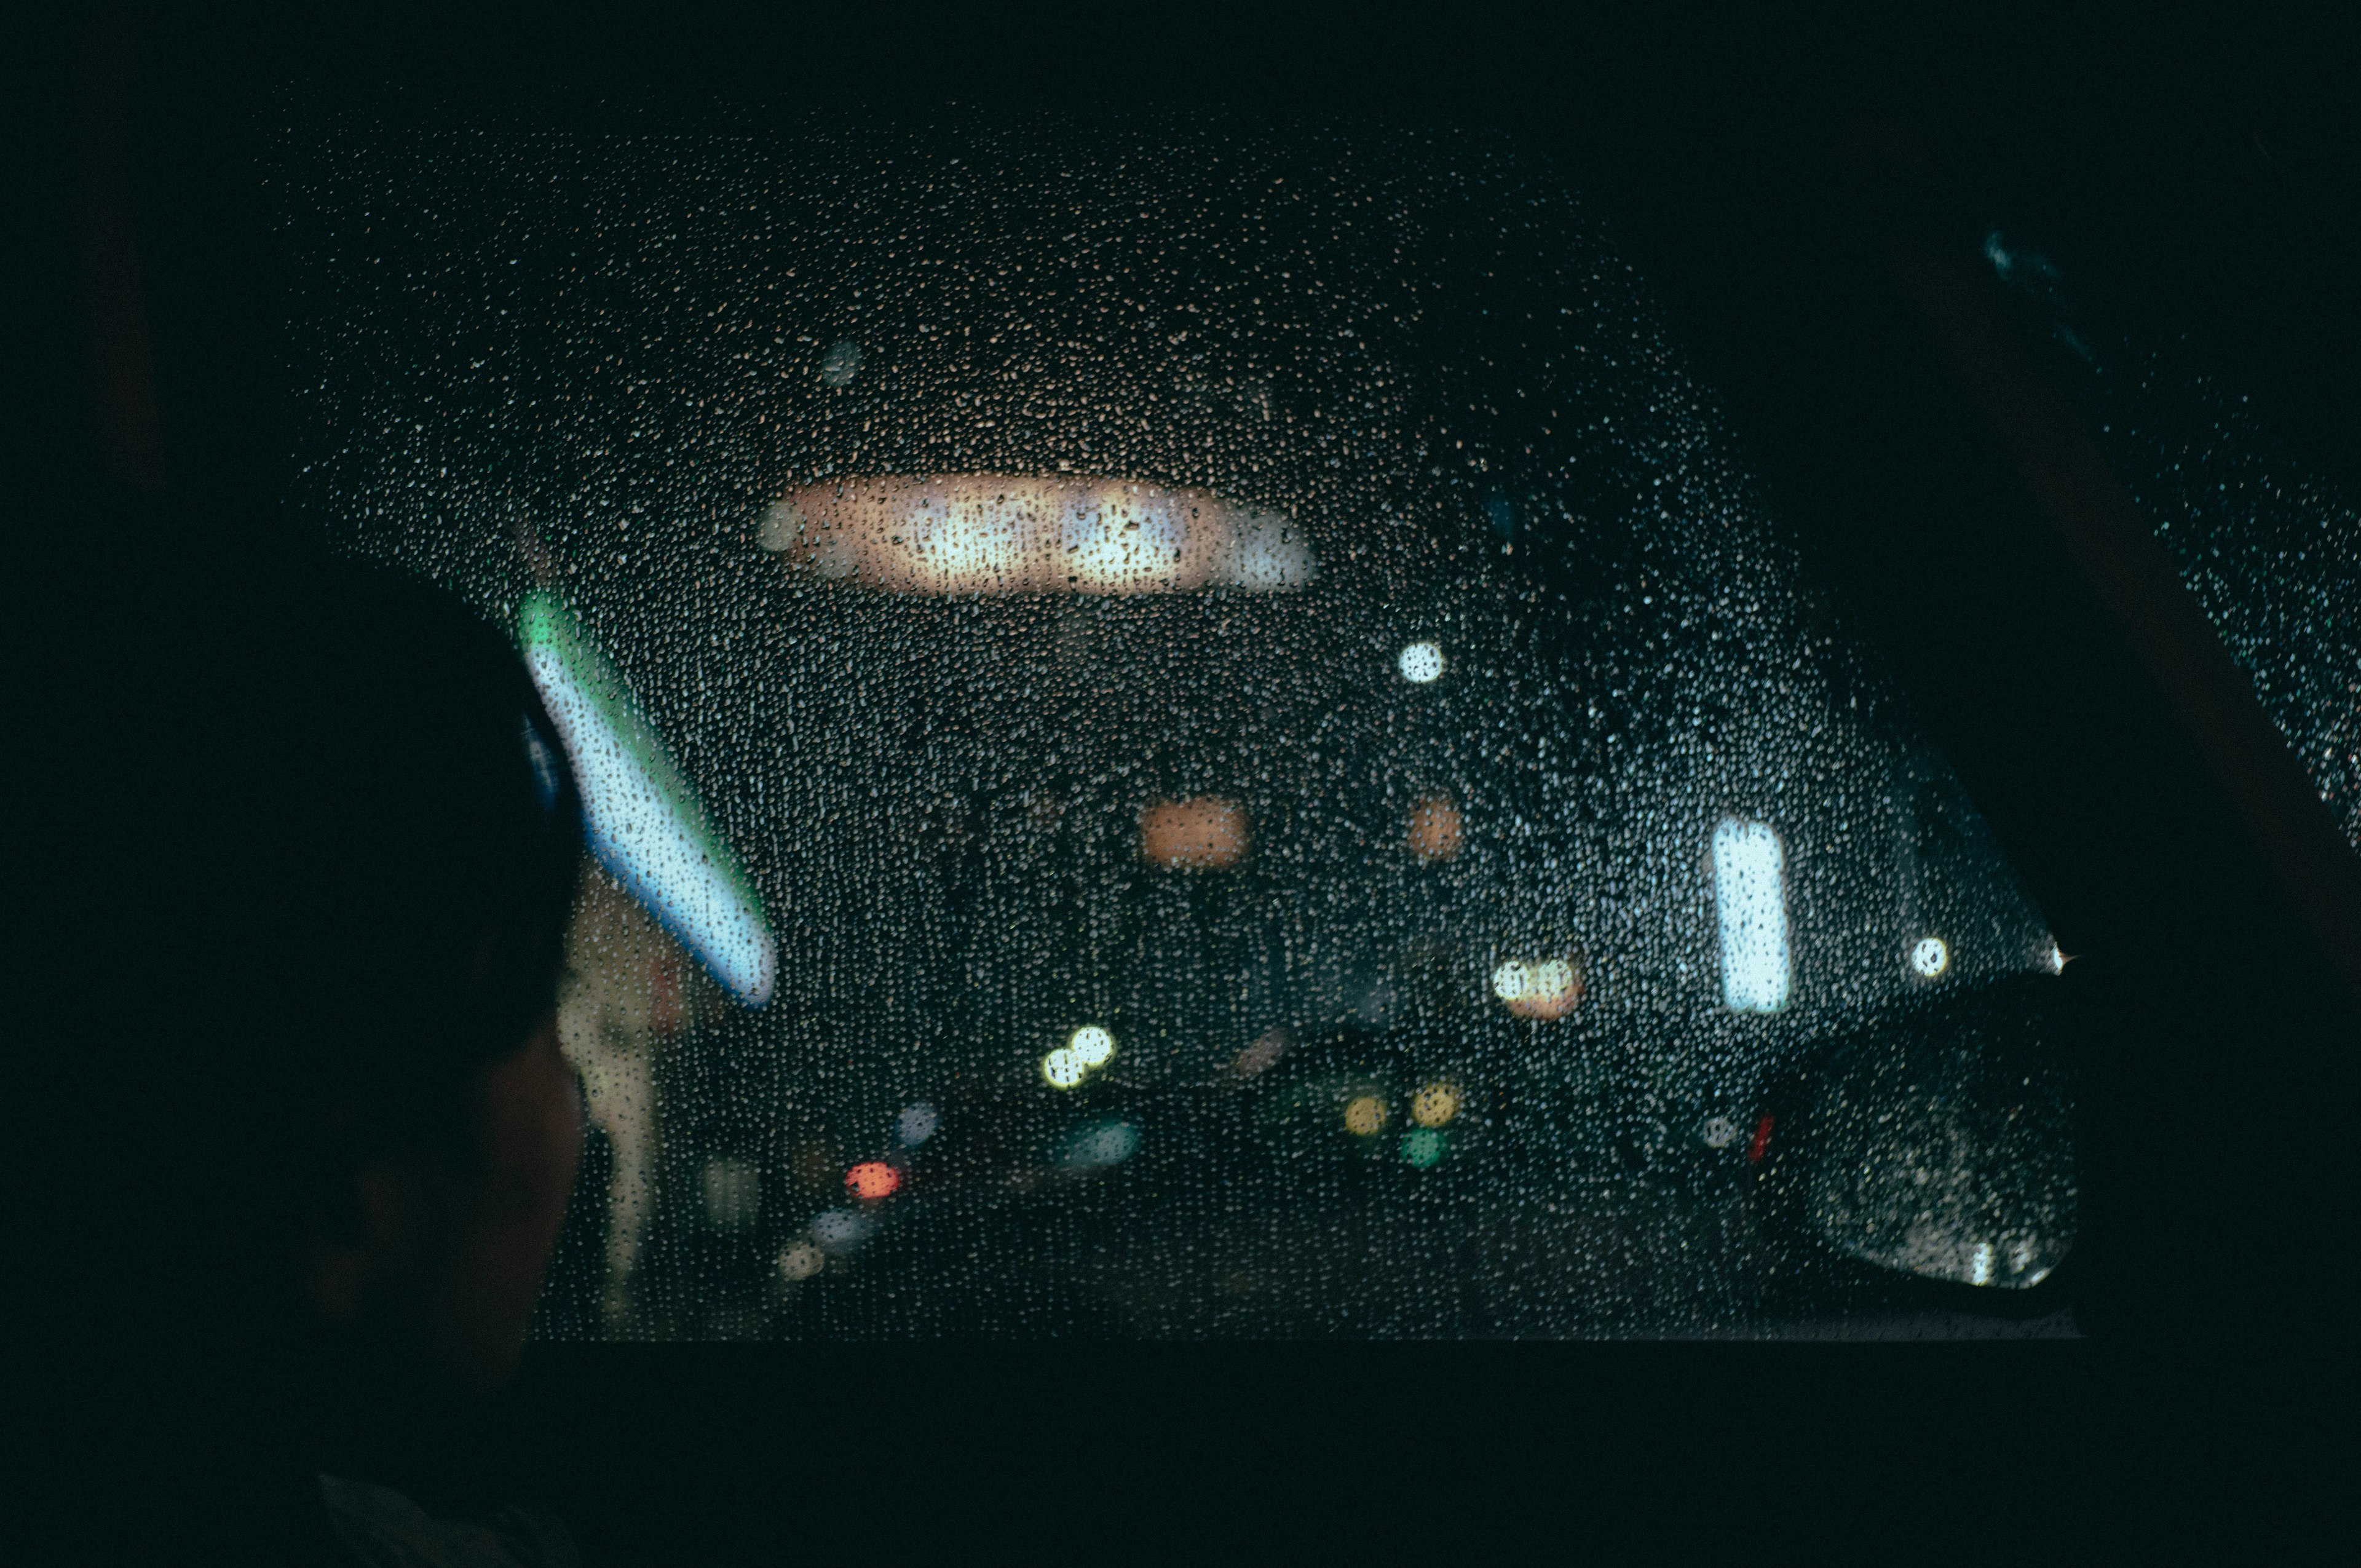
(990, 533)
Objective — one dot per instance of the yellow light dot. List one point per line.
(1435, 1106)
(1364, 1115)
(1061, 1069)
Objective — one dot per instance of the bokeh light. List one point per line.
(1435, 1106)
(872, 1179)
(1539, 989)
(801, 1261)
(1267, 1047)
(1434, 829)
(917, 1124)
(1364, 1115)
(1424, 1146)
(995, 533)
(1750, 898)
(1061, 1069)
(734, 1193)
(1207, 833)
(841, 1229)
(1420, 663)
(1094, 1146)
(1093, 1046)
(1930, 956)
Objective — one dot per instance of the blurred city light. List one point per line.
(872, 1179)
(915, 1125)
(1424, 1146)
(1364, 1115)
(1719, 1132)
(1091, 1046)
(641, 818)
(1061, 1069)
(841, 1229)
(1434, 829)
(1267, 1047)
(1094, 1146)
(995, 534)
(734, 1193)
(1539, 989)
(1420, 663)
(1435, 1106)
(801, 1261)
(1930, 957)
(1207, 833)
(1750, 898)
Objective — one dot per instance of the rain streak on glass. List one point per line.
(1204, 737)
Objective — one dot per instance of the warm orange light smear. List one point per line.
(1434, 829)
(872, 1179)
(1204, 834)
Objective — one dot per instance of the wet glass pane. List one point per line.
(1225, 746)
(2267, 542)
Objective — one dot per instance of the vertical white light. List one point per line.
(1750, 895)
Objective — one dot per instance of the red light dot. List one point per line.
(1762, 1142)
(873, 1178)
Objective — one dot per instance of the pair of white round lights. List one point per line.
(1086, 1050)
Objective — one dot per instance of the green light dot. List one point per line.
(1422, 1146)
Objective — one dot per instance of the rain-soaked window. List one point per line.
(1190, 731)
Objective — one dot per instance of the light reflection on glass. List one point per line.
(1540, 989)
(1930, 957)
(1095, 1146)
(641, 817)
(1091, 1046)
(1207, 833)
(1435, 1106)
(993, 533)
(1364, 1115)
(1420, 663)
(872, 1179)
(1749, 898)
(1434, 829)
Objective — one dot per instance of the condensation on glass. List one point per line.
(1254, 745)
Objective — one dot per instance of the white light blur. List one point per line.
(1512, 979)
(801, 1261)
(1061, 1069)
(996, 533)
(841, 1229)
(1930, 956)
(1091, 1046)
(1420, 663)
(2057, 959)
(638, 834)
(1980, 1269)
(1750, 899)
(917, 1124)
(1721, 1132)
